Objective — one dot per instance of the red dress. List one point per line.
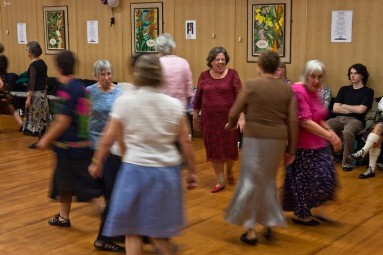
(215, 97)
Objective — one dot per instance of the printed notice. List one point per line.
(341, 26)
(22, 33)
(92, 31)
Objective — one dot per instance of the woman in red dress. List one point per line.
(216, 92)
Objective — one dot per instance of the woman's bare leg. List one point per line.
(133, 245)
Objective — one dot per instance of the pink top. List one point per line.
(177, 78)
(309, 107)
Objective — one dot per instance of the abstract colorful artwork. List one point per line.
(146, 19)
(269, 28)
(56, 29)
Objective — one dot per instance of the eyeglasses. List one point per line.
(220, 60)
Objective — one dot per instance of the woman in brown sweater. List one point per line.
(271, 121)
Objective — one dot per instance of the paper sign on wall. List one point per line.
(92, 31)
(22, 33)
(341, 26)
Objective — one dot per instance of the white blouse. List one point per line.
(151, 125)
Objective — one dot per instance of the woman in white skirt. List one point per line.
(147, 195)
(271, 123)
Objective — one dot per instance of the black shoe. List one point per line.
(368, 174)
(244, 239)
(33, 146)
(269, 235)
(358, 156)
(118, 239)
(21, 128)
(108, 246)
(305, 223)
(347, 168)
(59, 221)
(146, 239)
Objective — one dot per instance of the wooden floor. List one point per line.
(24, 209)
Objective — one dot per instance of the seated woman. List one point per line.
(372, 146)
(280, 73)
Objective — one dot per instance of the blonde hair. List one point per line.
(148, 71)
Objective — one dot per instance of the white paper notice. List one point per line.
(191, 29)
(341, 26)
(22, 33)
(92, 31)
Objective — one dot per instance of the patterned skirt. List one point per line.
(310, 181)
(37, 116)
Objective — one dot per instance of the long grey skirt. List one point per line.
(255, 199)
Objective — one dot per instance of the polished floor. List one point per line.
(356, 227)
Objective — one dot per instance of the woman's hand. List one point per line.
(241, 124)
(335, 141)
(95, 170)
(289, 158)
(191, 181)
(196, 123)
(28, 101)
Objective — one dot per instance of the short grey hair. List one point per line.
(34, 48)
(312, 67)
(102, 65)
(165, 44)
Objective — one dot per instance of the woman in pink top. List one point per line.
(310, 179)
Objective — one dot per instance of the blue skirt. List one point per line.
(146, 201)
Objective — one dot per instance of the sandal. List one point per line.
(59, 221)
(108, 246)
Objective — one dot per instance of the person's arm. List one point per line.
(323, 130)
(197, 105)
(236, 110)
(31, 85)
(292, 129)
(187, 150)
(359, 109)
(106, 140)
(189, 84)
(59, 125)
(338, 108)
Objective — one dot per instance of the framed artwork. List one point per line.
(147, 25)
(56, 29)
(269, 28)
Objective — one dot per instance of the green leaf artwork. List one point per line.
(268, 28)
(55, 29)
(145, 29)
